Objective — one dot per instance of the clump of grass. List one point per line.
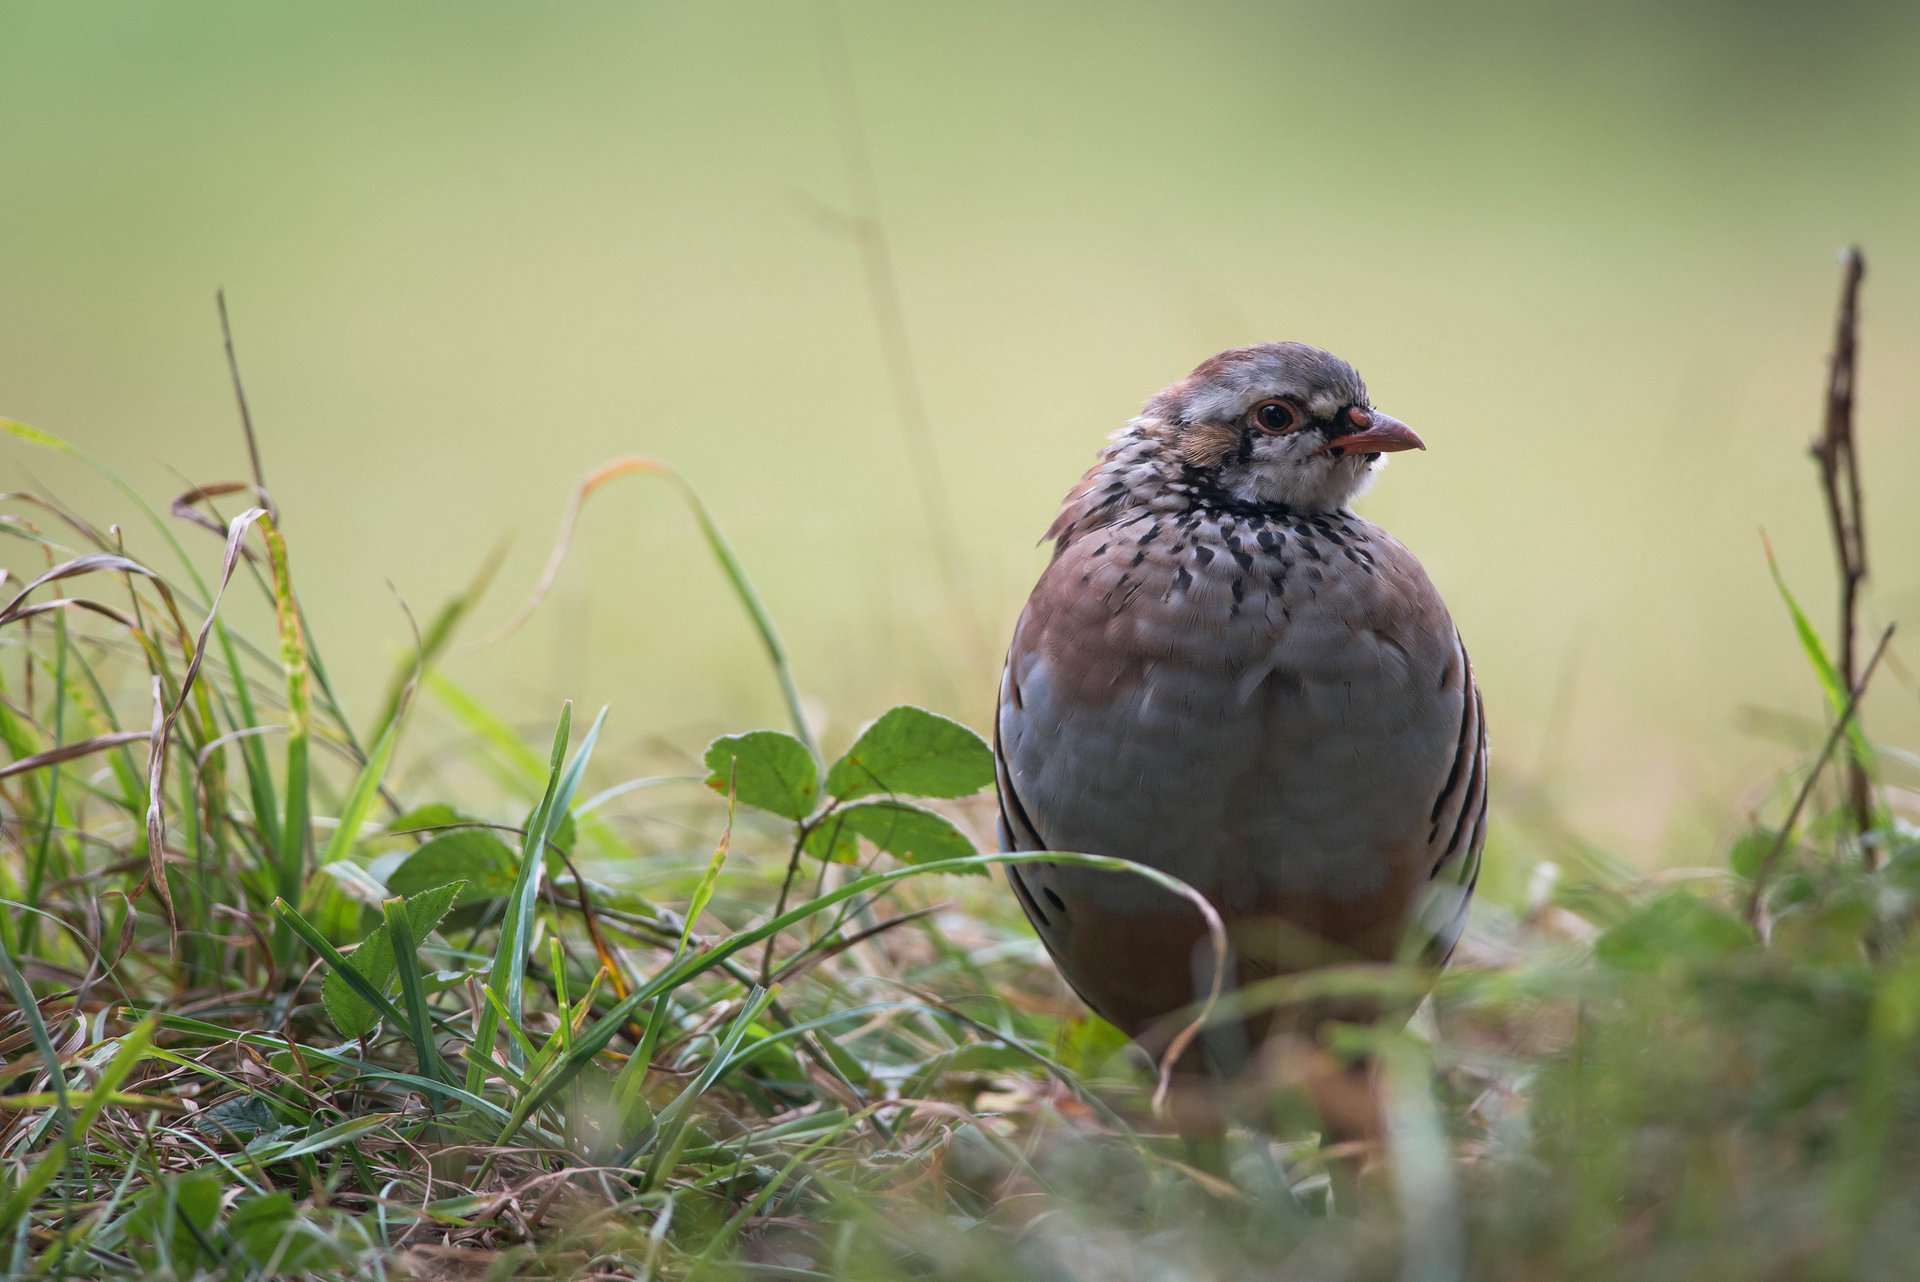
(286, 996)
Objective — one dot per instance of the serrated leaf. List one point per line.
(770, 771)
(374, 959)
(472, 855)
(910, 752)
(911, 833)
(243, 1117)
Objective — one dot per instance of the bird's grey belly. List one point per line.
(1252, 781)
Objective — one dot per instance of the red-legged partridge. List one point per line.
(1227, 675)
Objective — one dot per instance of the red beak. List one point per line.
(1378, 434)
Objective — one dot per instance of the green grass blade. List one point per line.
(327, 1138)
(365, 791)
(338, 963)
(55, 814)
(296, 832)
(517, 934)
(419, 1023)
(29, 1010)
(527, 1049)
(508, 972)
(476, 717)
(1821, 663)
(439, 634)
(671, 1125)
(510, 964)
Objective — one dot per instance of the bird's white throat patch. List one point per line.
(1290, 470)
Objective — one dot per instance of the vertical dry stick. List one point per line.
(883, 290)
(1840, 479)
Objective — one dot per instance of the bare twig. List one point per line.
(240, 392)
(806, 962)
(800, 832)
(1813, 776)
(1839, 461)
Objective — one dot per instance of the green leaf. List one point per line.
(1748, 852)
(1677, 928)
(913, 834)
(174, 1222)
(473, 856)
(350, 1012)
(911, 752)
(1087, 1044)
(703, 893)
(1828, 932)
(769, 769)
(1818, 659)
(272, 1234)
(243, 1117)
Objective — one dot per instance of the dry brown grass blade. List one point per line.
(743, 589)
(187, 506)
(156, 810)
(612, 470)
(1217, 939)
(120, 617)
(90, 563)
(164, 718)
(240, 393)
(70, 751)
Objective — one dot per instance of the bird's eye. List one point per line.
(1275, 417)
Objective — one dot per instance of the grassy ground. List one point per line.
(286, 995)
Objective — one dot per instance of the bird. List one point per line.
(1226, 675)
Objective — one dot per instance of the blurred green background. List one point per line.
(474, 249)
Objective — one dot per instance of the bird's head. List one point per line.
(1281, 423)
